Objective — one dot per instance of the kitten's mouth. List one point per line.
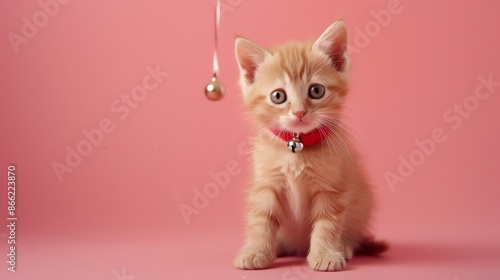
(301, 126)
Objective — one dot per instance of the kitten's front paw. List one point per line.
(326, 261)
(250, 259)
(348, 252)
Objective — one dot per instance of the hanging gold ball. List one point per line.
(214, 90)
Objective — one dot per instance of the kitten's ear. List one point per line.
(249, 57)
(333, 42)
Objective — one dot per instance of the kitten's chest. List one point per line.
(293, 168)
(295, 189)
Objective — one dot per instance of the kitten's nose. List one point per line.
(300, 114)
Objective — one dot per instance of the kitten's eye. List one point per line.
(278, 96)
(316, 91)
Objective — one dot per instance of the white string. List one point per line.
(217, 23)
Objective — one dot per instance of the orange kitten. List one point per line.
(310, 197)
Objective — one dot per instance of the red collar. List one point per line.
(317, 135)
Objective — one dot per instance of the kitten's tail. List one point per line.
(369, 246)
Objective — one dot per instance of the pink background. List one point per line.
(117, 213)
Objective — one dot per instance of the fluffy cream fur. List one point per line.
(316, 202)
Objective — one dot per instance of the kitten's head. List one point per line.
(296, 87)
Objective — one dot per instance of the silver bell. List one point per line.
(295, 145)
